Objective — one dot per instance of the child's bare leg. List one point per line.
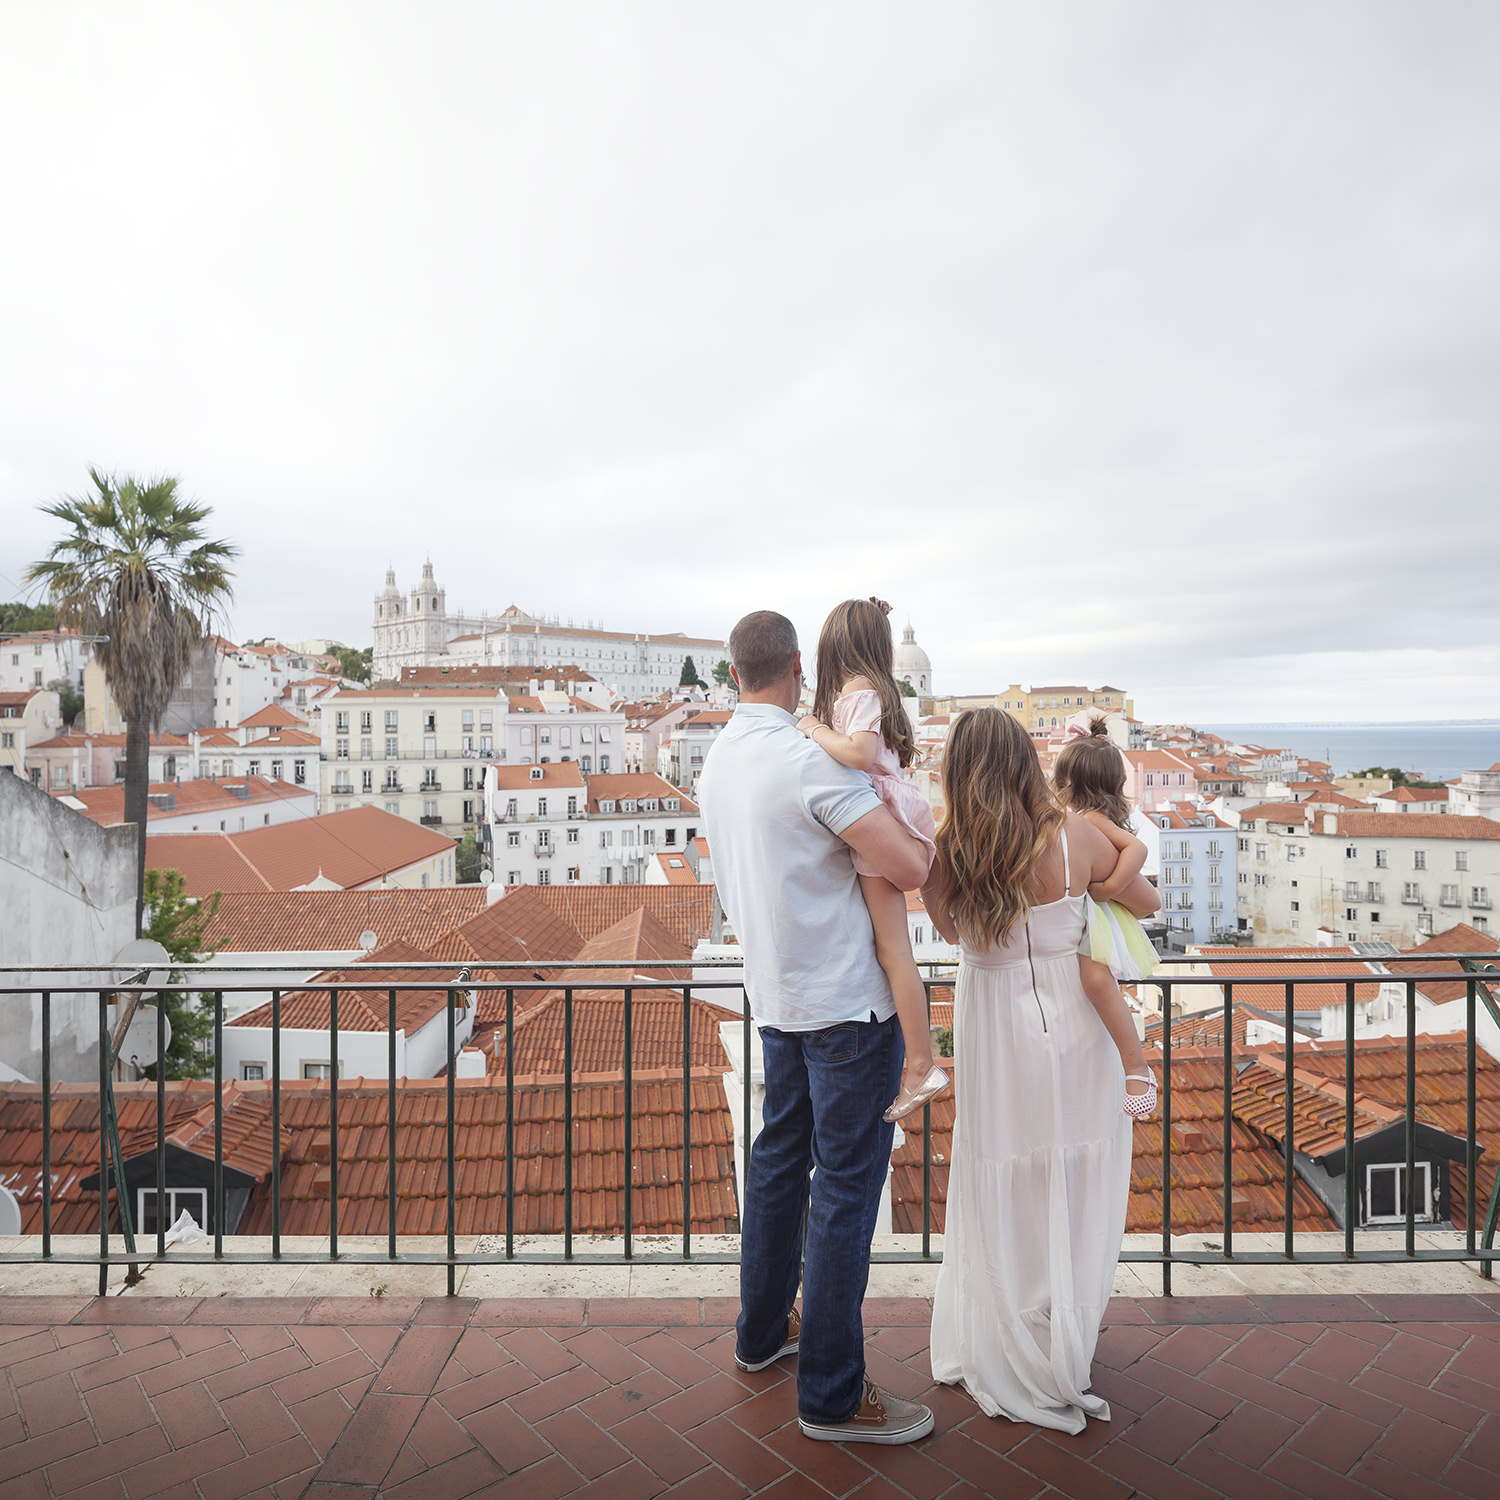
(1104, 995)
(887, 908)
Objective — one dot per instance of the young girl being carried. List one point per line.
(859, 720)
(1089, 778)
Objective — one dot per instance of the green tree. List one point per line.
(689, 677)
(355, 665)
(69, 699)
(137, 570)
(907, 690)
(178, 922)
(21, 617)
(466, 860)
(721, 673)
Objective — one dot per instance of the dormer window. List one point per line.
(674, 804)
(606, 805)
(537, 773)
(650, 804)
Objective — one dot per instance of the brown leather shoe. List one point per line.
(793, 1338)
(881, 1418)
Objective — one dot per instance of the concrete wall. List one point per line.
(67, 895)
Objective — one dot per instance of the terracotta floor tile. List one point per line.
(1418, 1442)
(1232, 1480)
(473, 1393)
(1250, 1434)
(44, 1364)
(745, 1458)
(529, 1312)
(673, 1359)
(547, 1480)
(711, 1483)
(436, 1437)
(1190, 1348)
(1399, 1484)
(260, 1420)
(109, 1459)
(659, 1448)
(181, 1466)
(371, 1439)
(256, 1472)
(665, 1311)
(710, 1397)
(51, 1403)
(1336, 1440)
(835, 1466)
(1168, 1430)
(590, 1449)
(561, 1391)
(617, 1403)
(1065, 1472)
(509, 1440)
(460, 1477)
(614, 1361)
(321, 1419)
(632, 1482)
(413, 1366)
(541, 1353)
(909, 1468)
(1305, 1478)
(52, 1448)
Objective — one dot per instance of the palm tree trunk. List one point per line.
(137, 783)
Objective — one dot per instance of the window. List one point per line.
(513, 838)
(1260, 880)
(1479, 895)
(390, 721)
(7, 741)
(367, 781)
(276, 770)
(1213, 849)
(429, 722)
(341, 722)
(319, 1070)
(1419, 859)
(365, 719)
(468, 720)
(1244, 878)
(430, 809)
(1351, 890)
(1350, 915)
(512, 877)
(1244, 846)
(572, 835)
(1382, 859)
(486, 721)
(252, 1072)
(541, 807)
(572, 807)
(1460, 859)
(1374, 916)
(1296, 906)
(393, 807)
(1480, 924)
(1411, 893)
(194, 1200)
(544, 877)
(1373, 893)
(1260, 851)
(1449, 896)
(572, 872)
(1424, 921)
(1351, 851)
(1386, 1193)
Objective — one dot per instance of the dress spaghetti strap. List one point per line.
(1067, 868)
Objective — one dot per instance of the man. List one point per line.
(782, 816)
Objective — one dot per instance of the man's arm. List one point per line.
(885, 844)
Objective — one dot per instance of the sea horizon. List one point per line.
(1429, 749)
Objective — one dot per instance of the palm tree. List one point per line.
(136, 571)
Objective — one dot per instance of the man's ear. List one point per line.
(736, 676)
(797, 667)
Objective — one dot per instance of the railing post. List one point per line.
(1411, 1117)
(161, 1124)
(104, 1061)
(333, 1128)
(568, 1124)
(1166, 1138)
(1287, 1145)
(1470, 1163)
(629, 1126)
(1227, 1123)
(46, 1124)
(1349, 1210)
(510, 1124)
(390, 1124)
(275, 1124)
(218, 1124)
(452, 1140)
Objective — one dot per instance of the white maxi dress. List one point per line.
(1039, 1179)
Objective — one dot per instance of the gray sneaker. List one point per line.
(881, 1418)
(789, 1345)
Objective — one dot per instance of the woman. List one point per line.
(1041, 1147)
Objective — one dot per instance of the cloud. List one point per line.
(1152, 344)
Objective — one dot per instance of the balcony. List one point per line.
(543, 851)
(375, 1184)
(430, 820)
(1479, 903)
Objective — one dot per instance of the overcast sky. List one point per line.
(1156, 344)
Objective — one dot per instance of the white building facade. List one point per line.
(420, 632)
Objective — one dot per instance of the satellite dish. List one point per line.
(148, 954)
(486, 877)
(367, 939)
(138, 1047)
(10, 1212)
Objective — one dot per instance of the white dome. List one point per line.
(912, 662)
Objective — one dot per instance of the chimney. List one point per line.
(471, 1063)
(1330, 822)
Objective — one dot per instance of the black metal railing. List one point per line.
(1477, 1247)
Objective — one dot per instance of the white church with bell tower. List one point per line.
(417, 631)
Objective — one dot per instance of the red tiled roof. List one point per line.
(292, 921)
(1197, 1165)
(554, 774)
(676, 868)
(1335, 962)
(1275, 812)
(272, 716)
(353, 848)
(292, 737)
(1414, 794)
(359, 1010)
(1460, 938)
(636, 785)
(203, 796)
(1457, 826)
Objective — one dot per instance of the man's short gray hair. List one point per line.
(762, 647)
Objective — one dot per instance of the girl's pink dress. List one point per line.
(853, 712)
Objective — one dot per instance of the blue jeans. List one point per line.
(825, 1092)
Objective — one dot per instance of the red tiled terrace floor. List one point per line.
(344, 1398)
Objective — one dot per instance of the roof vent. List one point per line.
(239, 789)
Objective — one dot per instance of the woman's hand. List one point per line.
(808, 723)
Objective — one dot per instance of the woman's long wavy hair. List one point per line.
(856, 642)
(1089, 775)
(1000, 819)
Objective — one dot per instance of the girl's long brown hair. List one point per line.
(1000, 819)
(856, 642)
(1089, 775)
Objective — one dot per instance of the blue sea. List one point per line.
(1435, 751)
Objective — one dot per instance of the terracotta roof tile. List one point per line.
(293, 921)
(205, 796)
(637, 786)
(1457, 826)
(353, 848)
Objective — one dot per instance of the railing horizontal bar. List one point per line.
(722, 1257)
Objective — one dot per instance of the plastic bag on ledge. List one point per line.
(184, 1230)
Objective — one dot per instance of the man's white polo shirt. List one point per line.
(775, 804)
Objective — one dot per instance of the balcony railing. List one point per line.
(1477, 1246)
